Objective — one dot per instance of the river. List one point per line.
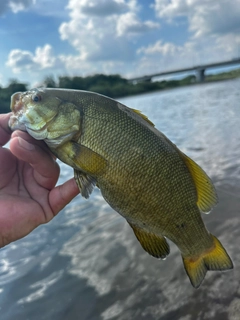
(86, 263)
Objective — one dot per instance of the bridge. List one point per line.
(199, 71)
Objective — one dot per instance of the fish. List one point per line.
(142, 175)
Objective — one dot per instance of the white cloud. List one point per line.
(166, 56)
(171, 9)
(101, 8)
(45, 57)
(214, 35)
(104, 34)
(129, 23)
(219, 18)
(205, 17)
(21, 60)
(74, 65)
(15, 5)
(159, 48)
(162, 57)
(55, 9)
(43, 61)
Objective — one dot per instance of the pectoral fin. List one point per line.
(88, 160)
(81, 158)
(155, 245)
(85, 183)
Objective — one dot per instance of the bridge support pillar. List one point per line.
(200, 76)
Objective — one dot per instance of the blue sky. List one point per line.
(128, 37)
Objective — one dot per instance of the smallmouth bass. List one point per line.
(142, 175)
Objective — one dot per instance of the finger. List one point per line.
(25, 136)
(61, 195)
(46, 170)
(5, 132)
(7, 167)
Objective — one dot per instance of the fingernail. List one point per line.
(15, 133)
(26, 145)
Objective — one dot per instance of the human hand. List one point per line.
(28, 175)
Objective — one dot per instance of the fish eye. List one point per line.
(36, 98)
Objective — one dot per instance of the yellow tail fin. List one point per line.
(213, 259)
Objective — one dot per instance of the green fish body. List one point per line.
(142, 175)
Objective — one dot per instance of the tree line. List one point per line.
(113, 86)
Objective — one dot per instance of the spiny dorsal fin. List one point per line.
(206, 193)
(143, 116)
(155, 245)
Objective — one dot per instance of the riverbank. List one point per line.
(113, 86)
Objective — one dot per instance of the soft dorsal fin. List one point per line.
(143, 116)
(206, 193)
(155, 245)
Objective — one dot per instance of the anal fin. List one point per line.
(155, 245)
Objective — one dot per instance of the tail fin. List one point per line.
(214, 259)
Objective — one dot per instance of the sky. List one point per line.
(132, 38)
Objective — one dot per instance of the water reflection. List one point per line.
(87, 264)
(40, 288)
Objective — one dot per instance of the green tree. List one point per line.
(15, 86)
(5, 94)
(65, 82)
(49, 82)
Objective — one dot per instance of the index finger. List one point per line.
(5, 131)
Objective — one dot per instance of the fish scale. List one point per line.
(161, 155)
(142, 175)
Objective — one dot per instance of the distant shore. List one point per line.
(113, 86)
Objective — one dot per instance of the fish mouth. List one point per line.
(16, 102)
(17, 107)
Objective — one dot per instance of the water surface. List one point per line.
(87, 264)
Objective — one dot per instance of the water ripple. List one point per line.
(87, 261)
